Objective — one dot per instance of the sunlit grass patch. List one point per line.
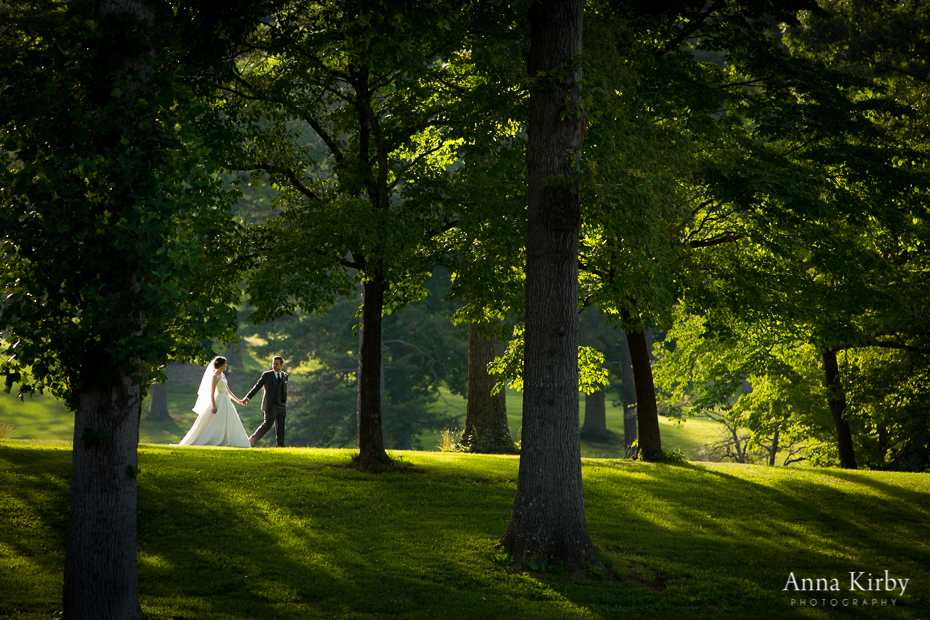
(295, 533)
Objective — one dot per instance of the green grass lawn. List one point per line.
(685, 435)
(292, 533)
(43, 417)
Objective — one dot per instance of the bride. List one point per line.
(217, 422)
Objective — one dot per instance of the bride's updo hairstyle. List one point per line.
(219, 361)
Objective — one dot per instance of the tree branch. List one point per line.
(896, 346)
(693, 25)
(718, 240)
(914, 76)
(291, 177)
(324, 136)
(413, 162)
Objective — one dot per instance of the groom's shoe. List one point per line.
(251, 442)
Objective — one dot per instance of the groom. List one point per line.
(274, 401)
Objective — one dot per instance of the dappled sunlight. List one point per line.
(297, 533)
(155, 562)
(756, 524)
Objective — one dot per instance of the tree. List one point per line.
(780, 400)
(159, 409)
(548, 521)
(647, 410)
(627, 398)
(595, 416)
(356, 113)
(598, 334)
(784, 153)
(106, 208)
(888, 43)
(486, 425)
(888, 392)
(485, 253)
(421, 350)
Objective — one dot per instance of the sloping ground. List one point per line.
(242, 534)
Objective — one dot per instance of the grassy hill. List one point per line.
(293, 533)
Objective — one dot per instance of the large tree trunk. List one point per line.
(548, 520)
(100, 563)
(647, 413)
(100, 576)
(486, 427)
(370, 437)
(628, 396)
(837, 402)
(595, 416)
(159, 410)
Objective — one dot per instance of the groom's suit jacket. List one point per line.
(275, 391)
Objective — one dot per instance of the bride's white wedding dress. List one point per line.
(223, 428)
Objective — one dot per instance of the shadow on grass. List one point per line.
(226, 533)
(33, 527)
(319, 541)
(732, 541)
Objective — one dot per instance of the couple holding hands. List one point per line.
(218, 422)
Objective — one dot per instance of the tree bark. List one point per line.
(159, 410)
(486, 426)
(100, 579)
(837, 402)
(100, 576)
(647, 413)
(548, 521)
(773, 451)
(595, 416)
(628, 396)
(370, 436)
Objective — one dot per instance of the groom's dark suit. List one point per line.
(274, 405)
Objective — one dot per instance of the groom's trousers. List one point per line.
(274, 416)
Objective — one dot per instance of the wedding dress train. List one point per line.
(223, 428)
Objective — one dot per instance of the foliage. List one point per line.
(634, 166)
(591, 373)
(114, 225)
(421, 351)
(771, 390)
(883, 40)
(669, 456)
(356, 116)
(797, 175)
(889, 395)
